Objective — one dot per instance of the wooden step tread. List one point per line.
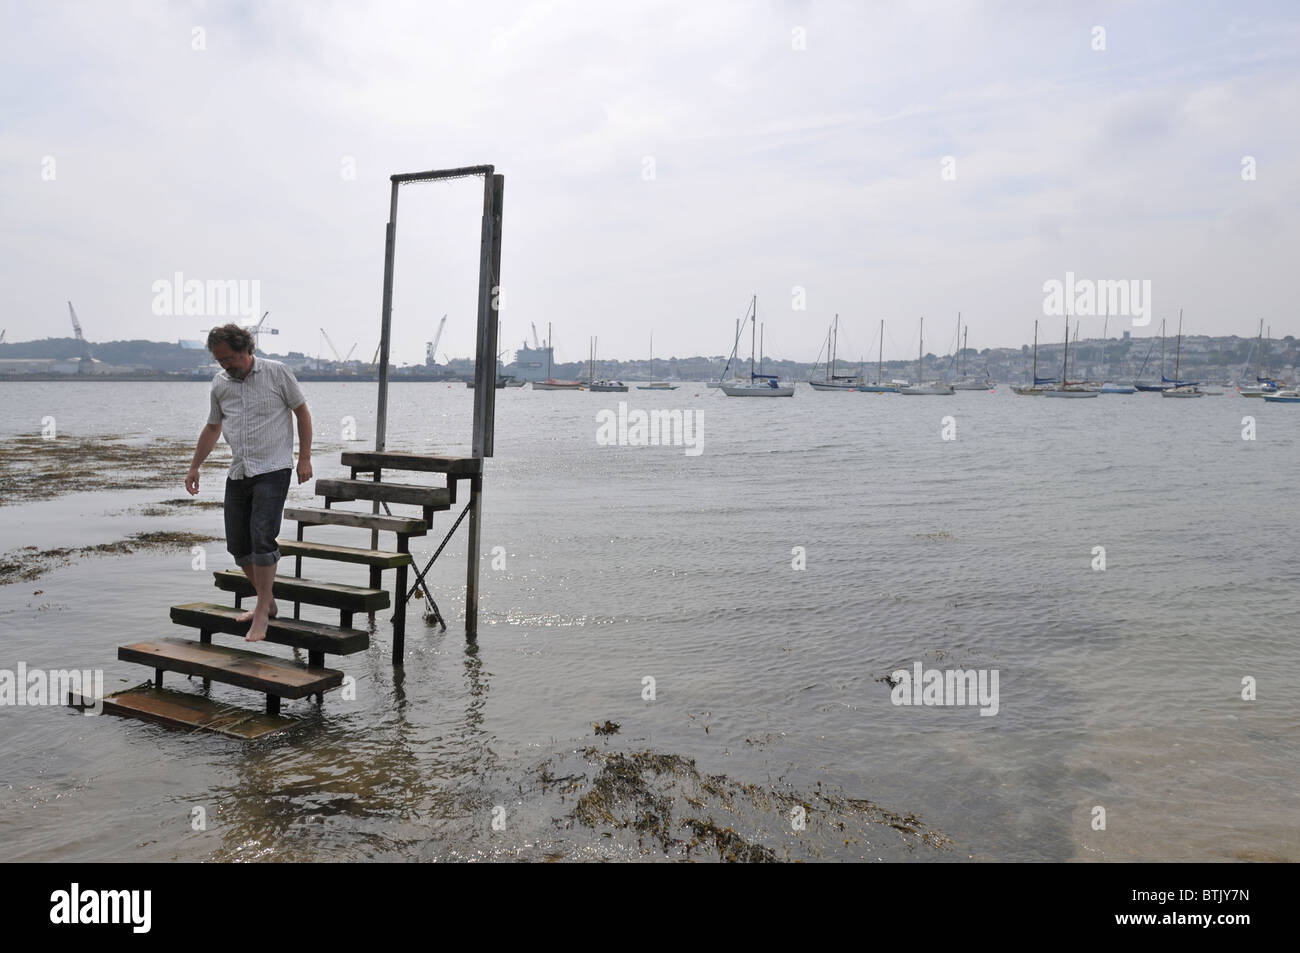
(347, 554)
(388, 524)
(301, 634)
(253, 670)
(163, 706)
(334, 595)
(368, 462)
(435, 497)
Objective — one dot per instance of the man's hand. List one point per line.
(192, 481)
(304, 469)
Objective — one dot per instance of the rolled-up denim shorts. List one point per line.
(254, 506)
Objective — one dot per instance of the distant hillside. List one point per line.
(155, 354)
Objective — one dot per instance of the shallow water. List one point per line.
(1117, 688)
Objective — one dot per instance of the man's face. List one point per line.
(235, 363)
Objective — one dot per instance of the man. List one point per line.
(251, 402)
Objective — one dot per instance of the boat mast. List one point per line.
(1179, 355)
(760, 350)
(550, 349)
(963, 350)
(920, 350)
(880, 360)
(1065, 361)
(1259, 360)
(955, 363)
(835, 342)
(1076, 340)
(1162, 350)
(828, 355)
(753, 329)
(1035, 353)
(1104, 369)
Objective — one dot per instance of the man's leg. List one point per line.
(239, 536)
(269, 492)
(274, 609)
(239, 542)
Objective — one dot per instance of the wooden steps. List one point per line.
(174, 709)
(311, 636)
(277, 678)
(347, 554)
(334, 595)
(369, 462)
(429, 497)
(311, 516)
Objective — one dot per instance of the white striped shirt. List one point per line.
(256, 417)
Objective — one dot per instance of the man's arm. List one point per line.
(304, 442)
(208, 438)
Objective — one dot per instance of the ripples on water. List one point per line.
(1117, 688)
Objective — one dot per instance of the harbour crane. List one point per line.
(76, 329)
(260, 328)
(87, 359)
(431, 347)
(536, 343)
(2, 336)
(332, 347)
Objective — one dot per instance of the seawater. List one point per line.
(1119, 688)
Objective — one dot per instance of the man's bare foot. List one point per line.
(256, 631)
(248, 616)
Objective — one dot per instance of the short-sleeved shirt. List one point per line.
(256, 417)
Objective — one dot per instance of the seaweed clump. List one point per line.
(33, 468)
(29, 562)
(671, 808)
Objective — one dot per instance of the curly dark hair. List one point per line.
(231, 335)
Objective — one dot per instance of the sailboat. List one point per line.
(601, 386)
(1263, 385)
(655, 385)
(879, 386)
(837, 382)
(1181, 388)
(714, 385)
(964, 382)
(1107, 387)
(551, 383)
(1147, 386)
(1066, 388)
(919, 389)
(1040, 384)
(758, 385)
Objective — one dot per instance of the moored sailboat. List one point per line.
(551, 383)
(921, 389)
(655, 385)
(963, 382)
(1107, 387)
(759, 384)
(1040, 384)
(1151, 386)
(1067, 388)
(835, 382)
(601, 386)
(1181, 388)
(878, 386)
(1264, 385)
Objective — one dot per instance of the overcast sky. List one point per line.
(663, 161)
